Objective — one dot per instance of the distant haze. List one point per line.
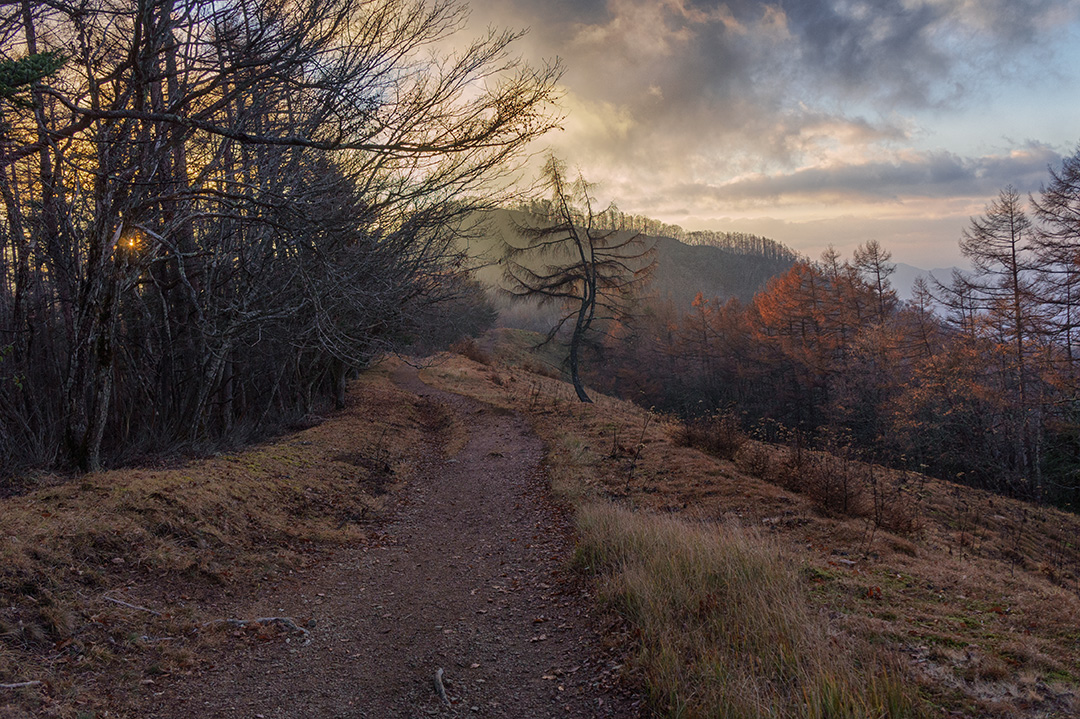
(815, 122)
(904, 278)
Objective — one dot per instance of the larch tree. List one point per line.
(696, 340)
(563, 257)
(1001, 247)
(872, 262)
(1057, 209)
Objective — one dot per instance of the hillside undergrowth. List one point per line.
(725, 627)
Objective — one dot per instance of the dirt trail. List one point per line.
(468, 576)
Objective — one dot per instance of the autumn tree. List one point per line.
(1001, 247)
(565, 258)
(696, 341)
(973, 379)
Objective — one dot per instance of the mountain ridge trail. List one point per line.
(469, 574)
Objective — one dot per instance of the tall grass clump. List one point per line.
(725, 628)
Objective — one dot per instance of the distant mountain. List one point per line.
(682, 270)
(904, 278)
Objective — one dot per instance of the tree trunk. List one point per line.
(339, 370)
(580, 327)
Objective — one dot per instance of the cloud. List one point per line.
(744, 104)
(905, 52)
(910, 175)
(752, 77)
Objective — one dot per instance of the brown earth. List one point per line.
(469, 575)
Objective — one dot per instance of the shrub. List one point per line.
(755, 459)
(468, 347)
(837, 484)
(719, 435)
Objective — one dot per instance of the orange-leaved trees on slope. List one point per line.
(974, 380)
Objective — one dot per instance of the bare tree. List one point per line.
(213, 211)
(1057, 210)
(1001, 245)
(872, 261)
(566, 260)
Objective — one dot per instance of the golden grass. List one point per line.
(725, 627)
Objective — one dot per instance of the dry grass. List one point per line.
(977, 595)
(923, 586)
(164, 539)
(725, 627)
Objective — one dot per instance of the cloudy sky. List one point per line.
(814, 122)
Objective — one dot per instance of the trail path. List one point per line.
(469, 576)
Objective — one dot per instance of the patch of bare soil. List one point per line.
(469, 576)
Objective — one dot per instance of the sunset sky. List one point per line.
(812, 122)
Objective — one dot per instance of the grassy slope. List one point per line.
(971, 611)
(174, 541)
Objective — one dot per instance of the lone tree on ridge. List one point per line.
(565, 259)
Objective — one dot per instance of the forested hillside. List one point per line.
(683, 270)
(716, 264)
(974, 380)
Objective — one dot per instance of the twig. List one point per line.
(379, 450)
(21, 684)
(131, 606)
(439, 686)
(637, 453)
